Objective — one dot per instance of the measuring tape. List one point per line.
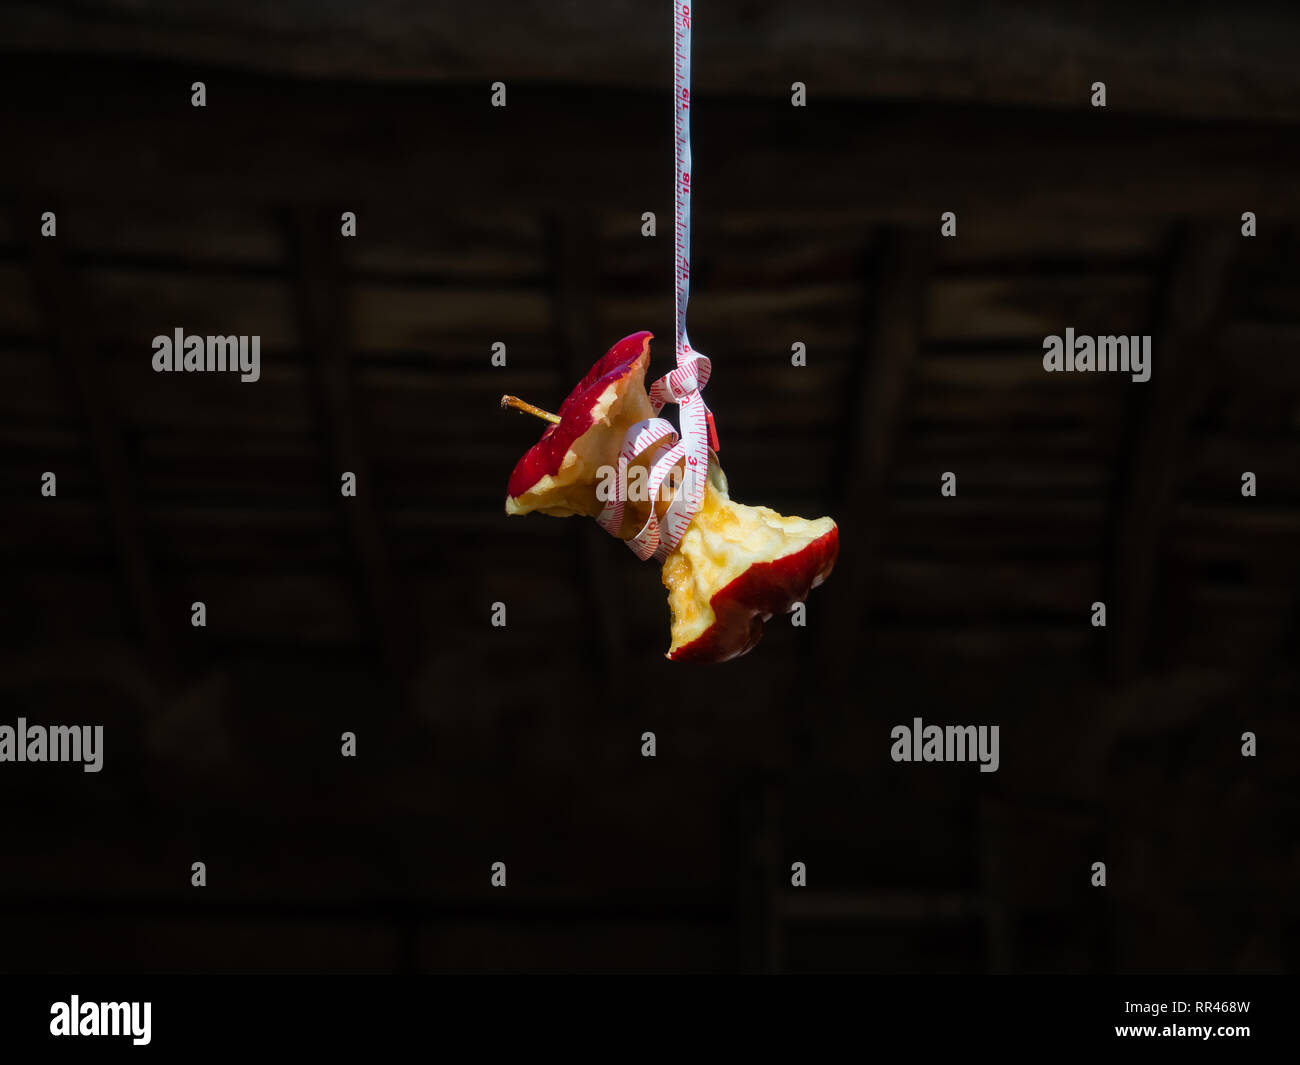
(659, 537)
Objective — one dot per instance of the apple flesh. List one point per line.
(558, 474)
(736, 567)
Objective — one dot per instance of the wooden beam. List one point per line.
(1026, 846)
(1263, 353)
(426, 150)
(1229, 59)
(761, 873)
(573, 248)
(891, 336)
(895, 271)
(1183, 364)
(893, 908)
(321, 302)
(61, 299)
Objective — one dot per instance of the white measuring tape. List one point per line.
(660, 536)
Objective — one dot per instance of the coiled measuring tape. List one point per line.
(656, 436)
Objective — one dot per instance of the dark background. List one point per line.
(477, 744)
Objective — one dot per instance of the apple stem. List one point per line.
(515, 403)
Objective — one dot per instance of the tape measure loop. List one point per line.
(684, 385)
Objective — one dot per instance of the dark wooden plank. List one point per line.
(891, 337)
(1229, 59)
(573, 251)
(886, 907)
(323, 317)
(896, 273)
(761, 873)
(1184, 362)
(263, 140)
(62, 301)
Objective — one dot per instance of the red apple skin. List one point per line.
(545, 457)
(763, 590)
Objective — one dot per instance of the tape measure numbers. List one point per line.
(684, 385)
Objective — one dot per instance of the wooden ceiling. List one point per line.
(523, 226)
(1200, 58)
